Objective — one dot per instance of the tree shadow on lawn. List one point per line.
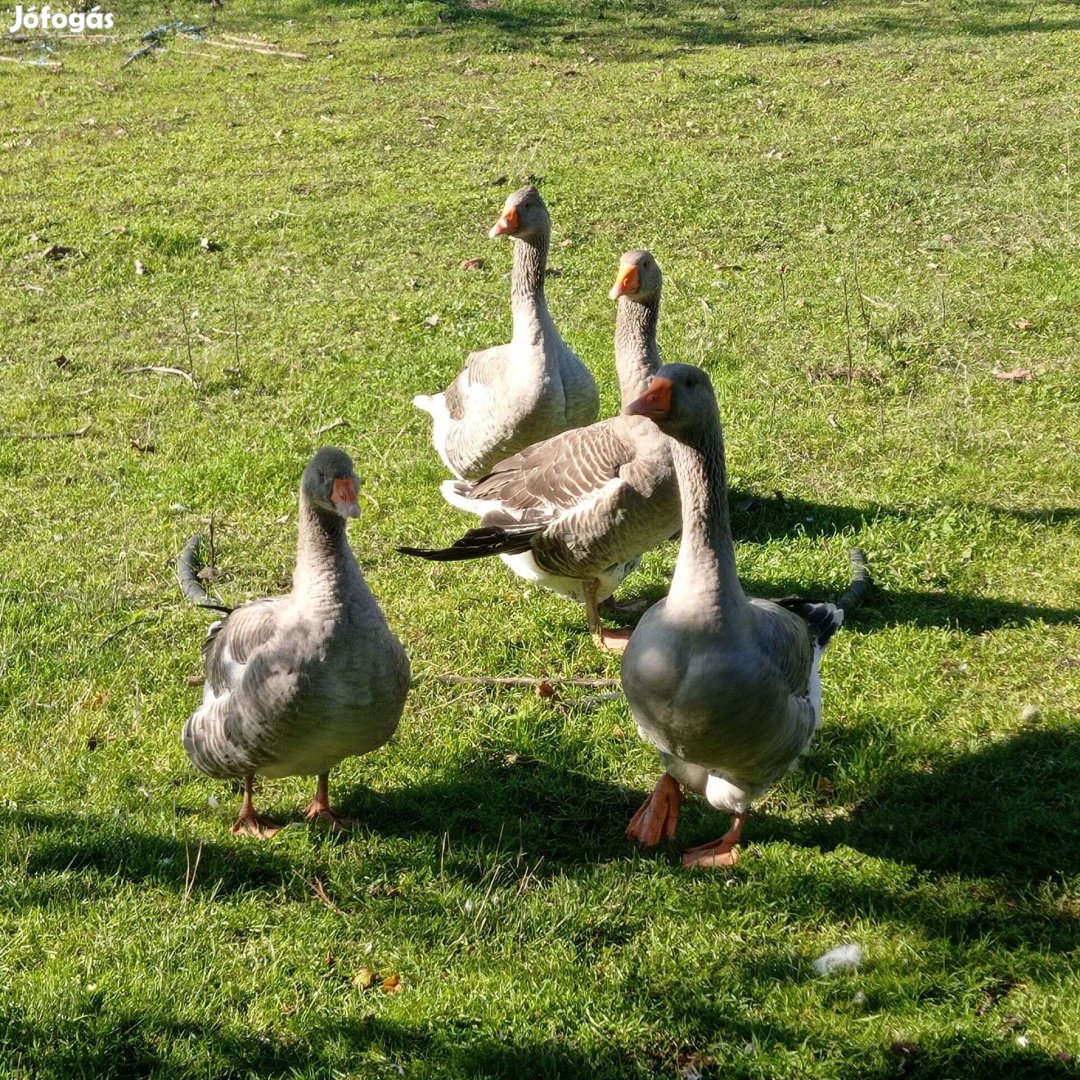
(109, 1046)
(106, 850)
(767, 23)
(759, 519)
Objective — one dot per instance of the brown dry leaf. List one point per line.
(471, 264)
(365, 979)
(194, 680)
(61, 361)
(825, 786)
(545, 689)
(1022, 324)
(391, 984)
(432, 320)
(1016, 375)
(566, 243)
(617, 732)
(395, 317)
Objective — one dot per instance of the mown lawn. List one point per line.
(866, 212)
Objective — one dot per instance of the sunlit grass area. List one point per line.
(866, 216)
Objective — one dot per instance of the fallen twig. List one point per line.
(48, 65)
(339, 422)
(127, 626)
(485, 680)
(190, 871)
(160, 371)
(598, 699)
(33, 435)
(265, 50)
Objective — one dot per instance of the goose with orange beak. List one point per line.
(511, 396)
(297, 683)
(576, 512)
(725, 686)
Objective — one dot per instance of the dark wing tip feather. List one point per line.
(481, 542)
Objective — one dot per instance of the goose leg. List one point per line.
(609, 640)
(248, 821)
(722, 852)
(658, 815)
(319, 807)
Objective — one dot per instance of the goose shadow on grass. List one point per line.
(104, 850)
(557, 818)
(1009, 812)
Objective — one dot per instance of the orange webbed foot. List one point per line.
(658, 815)
(722, 852)
(335, 822)
(614, 641)
(252, 824)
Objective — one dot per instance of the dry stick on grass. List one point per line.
(486, 680)
(190, 871)
(339, 422)
(35, 435)
(255, 49)
(48, 65)
(160, 371)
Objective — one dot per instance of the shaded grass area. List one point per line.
(864, 211)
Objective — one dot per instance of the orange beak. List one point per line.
(343, 497)
(655, 403)
(626, 281)
(508, 223)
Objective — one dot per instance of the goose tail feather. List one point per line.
(188, 565)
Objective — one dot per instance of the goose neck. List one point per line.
(322, 549)
(637, 355)
(705, 581)
(527, 299)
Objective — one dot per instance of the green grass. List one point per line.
(914, 158)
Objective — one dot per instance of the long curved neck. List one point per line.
(323, 555)
(705, 585)
(637, 356)
(527, 300)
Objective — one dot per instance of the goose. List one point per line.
(725, 686)
(296, 683)
(511, 396)
(574, 513)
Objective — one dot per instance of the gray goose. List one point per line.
(575, 513)
(725, 686)
(296, 683)
(510, 396)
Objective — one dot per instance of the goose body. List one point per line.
(575, 512)
(726, 687)
(297, 683)
(513, 395)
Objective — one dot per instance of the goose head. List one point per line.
(639, 278)
(680, 401)
(524, 216)
(330, 483)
